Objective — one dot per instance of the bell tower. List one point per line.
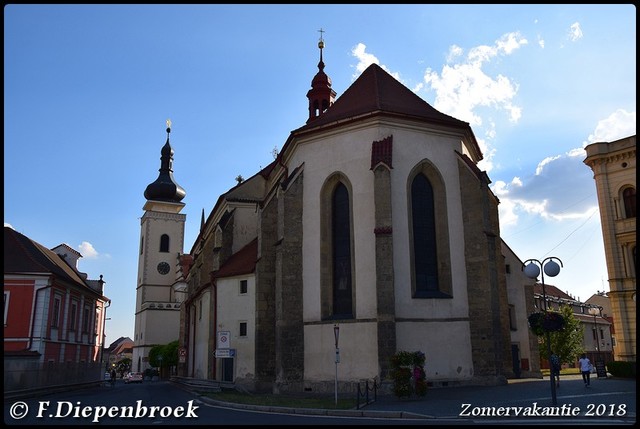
(320, 96)
(159, 288)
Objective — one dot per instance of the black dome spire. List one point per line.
(165, 188)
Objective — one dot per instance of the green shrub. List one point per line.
(622, 369)
(408, 374)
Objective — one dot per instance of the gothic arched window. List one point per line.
(424, 236)
(341, 252)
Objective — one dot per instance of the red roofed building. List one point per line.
(53, 315)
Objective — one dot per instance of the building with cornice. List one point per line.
(614, 171)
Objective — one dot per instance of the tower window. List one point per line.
(243, 287)
(164, 243)
(243, 329)
(629, 197)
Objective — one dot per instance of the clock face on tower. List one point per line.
(163, 268)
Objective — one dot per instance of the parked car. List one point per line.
(107, 376)
(133, 377)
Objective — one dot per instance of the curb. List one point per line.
(316, 411)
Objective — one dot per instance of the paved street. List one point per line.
(611, 400)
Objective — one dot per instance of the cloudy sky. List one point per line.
(88, 89)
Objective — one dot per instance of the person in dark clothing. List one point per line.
(555, 367)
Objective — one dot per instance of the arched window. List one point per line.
(164, 243)
(629, 197)
(341, 252)
(429, 253)
(424, 236)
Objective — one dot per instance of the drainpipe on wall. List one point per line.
(104, 323)
(34, 311)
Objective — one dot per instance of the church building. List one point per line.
(373, 231)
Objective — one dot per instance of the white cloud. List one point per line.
(618, 125)
(462, 87)
(575, 32)
(87, 250)
(541, 42)
(365, 59)
(544, 162)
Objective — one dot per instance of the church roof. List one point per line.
(377, 91)
(241, 262)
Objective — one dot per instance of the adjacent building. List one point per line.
(614, 171)
(54, 316)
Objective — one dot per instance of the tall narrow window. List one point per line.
(424, 237)
(629, 197)
(341, 235)
(56, 312)
(85, 320)
(164, 243)
(73, 315)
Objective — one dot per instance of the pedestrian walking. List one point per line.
(585, 369)
(113, 377)
(555, 367)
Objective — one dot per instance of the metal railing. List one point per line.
(365, 394)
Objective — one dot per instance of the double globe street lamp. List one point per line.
(532, 270)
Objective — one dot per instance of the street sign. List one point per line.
(224, 339)
(225, 353)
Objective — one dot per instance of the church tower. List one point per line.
(160, 287)
(320, 96)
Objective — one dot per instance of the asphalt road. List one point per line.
(606, 402)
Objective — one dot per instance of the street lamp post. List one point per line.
(336, 334)
(550, 268)
(595, 311)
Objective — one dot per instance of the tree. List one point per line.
(567, 343)
(164, 356)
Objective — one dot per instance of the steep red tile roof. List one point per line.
(241, 262)
(376, 90)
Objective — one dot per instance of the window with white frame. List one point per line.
(243, 287)
(55, 316)
(73, 315)
(243, 329)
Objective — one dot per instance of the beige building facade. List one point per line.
(160, 288)
(614, 171)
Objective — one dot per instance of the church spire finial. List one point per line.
(168, 128)
(321, 47)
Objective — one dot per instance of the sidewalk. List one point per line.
(606, 401)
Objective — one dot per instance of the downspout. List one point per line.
(214, 284)
(104, 335)
(34, 311)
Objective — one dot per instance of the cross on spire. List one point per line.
(321, 31)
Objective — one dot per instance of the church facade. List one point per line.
(373, 231)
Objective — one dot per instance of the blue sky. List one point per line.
(88, 88)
